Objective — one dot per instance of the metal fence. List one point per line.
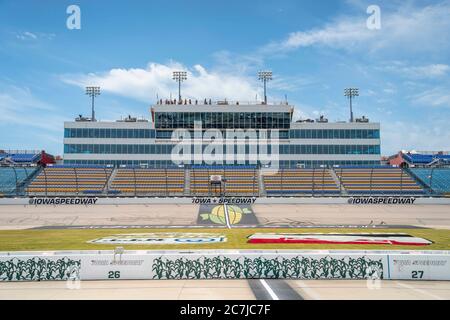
(314, 182)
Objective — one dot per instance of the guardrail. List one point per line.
(226, 264)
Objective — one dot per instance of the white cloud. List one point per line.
(19, 106)
(437, 97)
(156, 79)
(27, 35)
(407, 28)
(417, 72)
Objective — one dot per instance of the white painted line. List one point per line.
(227, 218)
(426, 293)
(269, 290)
(312, 294)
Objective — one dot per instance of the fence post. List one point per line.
(15, 175)
(76, 180)
(371, 182)
(135, 181)
(45, 178)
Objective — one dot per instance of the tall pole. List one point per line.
(350, 93)
(265, 76)
(179, 76)
(93, 92)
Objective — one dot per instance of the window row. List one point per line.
(169, 163)
(167, 149)
(108, 133)
(223, 120)
(334, 134)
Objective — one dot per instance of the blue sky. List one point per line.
(314, 48)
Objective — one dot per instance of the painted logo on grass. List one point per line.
(161, 238)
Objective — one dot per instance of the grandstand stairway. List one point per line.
(338, 182)
(187, 182)
(262, 189)
(108, 185)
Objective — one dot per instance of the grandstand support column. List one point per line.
(431, 180)
(401, 180)
(281, 182)
(313, 182)
(323, 182)
(167, 181)
(106, 181)
(15, 175)
(45, 179)
(76, 180)
(135, 182)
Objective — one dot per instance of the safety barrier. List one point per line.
(209, 264)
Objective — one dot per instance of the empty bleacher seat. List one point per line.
(438, 179)
(70, 180)
(142, 181)
(378, 180)
(300, 182)
(12, 177)
(238, 180)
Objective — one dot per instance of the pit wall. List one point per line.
(357, 200)
(207, 264)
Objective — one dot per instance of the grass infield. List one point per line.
(64, 239)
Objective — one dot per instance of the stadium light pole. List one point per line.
(350, 93)
(265, 76)
(179, 76)
(93, 92)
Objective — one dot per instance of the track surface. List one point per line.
(23, 217)
(227, 290)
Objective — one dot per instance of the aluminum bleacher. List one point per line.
(378, 180)
(237, 180)
(11, 179)
(438, 179)
(140, 181)
(64, 179)
(300, 182)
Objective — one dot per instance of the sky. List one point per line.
(399, 60)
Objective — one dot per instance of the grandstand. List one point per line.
(63, 179)
(418, 159)
(437, 179)
(25, 157)
(96, 180)
(13, 179)
(301, 182)
(140, 181)
(235, 180)
(378, 180)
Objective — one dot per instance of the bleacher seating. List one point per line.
(378, 180)
(300, 181)
(25, 157)
(239, 180)
(70, 180)
(12, 177)
(425, 159)
(438, 179)
(148, 181)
